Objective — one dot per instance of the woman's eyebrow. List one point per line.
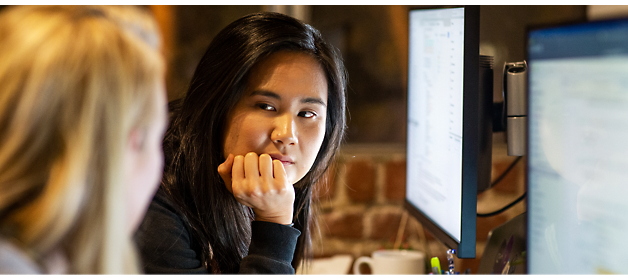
(266, 93)
(313, 100)
(307, 100)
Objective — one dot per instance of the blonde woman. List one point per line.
(82, 116)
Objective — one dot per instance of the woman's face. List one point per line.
(282, 112)
(145, 160)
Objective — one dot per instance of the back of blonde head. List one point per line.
(74, 81)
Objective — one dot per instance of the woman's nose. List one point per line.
(284, 131)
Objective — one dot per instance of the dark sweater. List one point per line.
(166, 247)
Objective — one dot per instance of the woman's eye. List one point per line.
(307, 114)
(266, 107)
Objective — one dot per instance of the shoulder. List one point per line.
(164, 242)
(162, 215)
(15, 261)
(161, 228)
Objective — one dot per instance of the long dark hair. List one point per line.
(194, 141)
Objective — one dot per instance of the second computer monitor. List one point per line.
(577, 152)
(448, 145)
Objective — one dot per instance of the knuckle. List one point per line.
(269, 188)
(237, 193)
(252, 188)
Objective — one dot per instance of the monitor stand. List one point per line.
(505, 248)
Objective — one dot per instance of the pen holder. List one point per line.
(393, 262)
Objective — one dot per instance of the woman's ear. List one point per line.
(136, 140)
(132, 150)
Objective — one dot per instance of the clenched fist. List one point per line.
(260, 183)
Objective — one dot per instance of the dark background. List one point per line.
(373, 41)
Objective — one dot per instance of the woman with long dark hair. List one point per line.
(261, 122)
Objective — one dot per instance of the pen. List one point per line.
(435, 266)
(450, 259)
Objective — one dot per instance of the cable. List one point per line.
(504, 208)
(505, 172)
(483, 215)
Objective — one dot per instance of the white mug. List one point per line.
(393, 262)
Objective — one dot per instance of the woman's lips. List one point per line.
(285, 160)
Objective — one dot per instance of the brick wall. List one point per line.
(361, 208)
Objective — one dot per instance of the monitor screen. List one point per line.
(577, 150)
(444, 124)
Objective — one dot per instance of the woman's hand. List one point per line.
(260, 183)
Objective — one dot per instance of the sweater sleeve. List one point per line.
(165, 245)
(271, 250)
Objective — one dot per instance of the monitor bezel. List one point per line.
(474, 152)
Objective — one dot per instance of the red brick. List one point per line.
(508, 185)
(385, 226)
(343, 225)
(361, 181)
(412, 230)
(428, 235)
(395, 186)
(485, 225)
(325, 188)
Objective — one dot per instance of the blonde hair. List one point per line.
(74, 82)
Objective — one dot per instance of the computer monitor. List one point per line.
(577, 171)
(449, 125)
